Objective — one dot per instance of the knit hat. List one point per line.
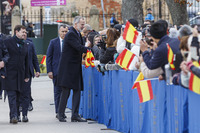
(133, 22)
(118, 27)
(158, 30)
(91, 36)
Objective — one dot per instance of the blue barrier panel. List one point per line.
(120, 91)
(194, 112)
(109, 100)
(177, 109)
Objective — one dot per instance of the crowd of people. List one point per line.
(67, 53)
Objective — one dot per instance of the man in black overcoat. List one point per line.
(70, 70)
(17, 69)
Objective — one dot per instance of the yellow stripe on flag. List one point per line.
(127, 58)
(139, 78)
(170, 57)
(194, 84)
(130, 34)
(144, 91)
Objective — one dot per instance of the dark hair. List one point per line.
(62, 25)
(18, 28)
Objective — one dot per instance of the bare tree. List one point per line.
(178, 10)
(132, 9)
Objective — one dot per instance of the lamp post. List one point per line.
(102, 6)
(160, 9)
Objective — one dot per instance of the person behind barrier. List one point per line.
(70, 70)
(159, 58)
(54, 52)
(17, 70)
(113, 20)
(149, 15)
(108, 46)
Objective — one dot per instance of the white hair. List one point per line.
(77, 19)
(88, 27)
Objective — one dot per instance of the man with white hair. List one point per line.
(70, 70)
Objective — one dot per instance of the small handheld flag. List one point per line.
(89, 59)
(125, 58)
(145, 91)
(194, 81)
(44, 60)
(139, 78)
(130, 33)
(170, 57)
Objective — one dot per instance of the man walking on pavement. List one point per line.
(33, 64)
(70, 70)
(53, 58)
(16, 70)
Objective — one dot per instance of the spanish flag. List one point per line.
(194, 83)
(44, 60)
(125, 58)
(130, 33)
(145, 91)
(170, 57)
(89, 59)
(139, 78)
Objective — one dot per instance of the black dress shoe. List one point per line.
(14, 120)
(19, 119)
(30, 107)
(64, 116)
(77, 119)
(25, 119)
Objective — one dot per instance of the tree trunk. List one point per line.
(132, 9)
(178, 11)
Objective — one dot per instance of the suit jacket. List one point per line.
(17, 68)
(4, 56)
(70, 67)
(53, 56)
(32, 58)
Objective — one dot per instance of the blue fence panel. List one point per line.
(194, 112)
(110, 100)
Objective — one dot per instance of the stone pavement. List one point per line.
(42, 118)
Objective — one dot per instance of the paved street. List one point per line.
(42, 118)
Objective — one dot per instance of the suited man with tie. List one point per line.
(70, 70)
(53, 58)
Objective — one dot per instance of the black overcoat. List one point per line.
(70, 66)
(17, 68)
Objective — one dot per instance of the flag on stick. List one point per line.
(89, 59)
(44, 60)
(139, 78)
(130, 33)
(145, 91)
(125, 58)
(194, 82)
(170, 57)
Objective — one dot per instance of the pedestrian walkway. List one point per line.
(42, 118)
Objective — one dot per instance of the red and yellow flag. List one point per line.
(170, 57)
(44, 60)
(139, 78)
(145, 91)
(89, 59)
(130, 33)
(125, 58)
(194, 81)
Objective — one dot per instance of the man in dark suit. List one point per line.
(2, 38)
(4, 56)
(33, 64)
(53, 58)
(17, 70)
(70, 70)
